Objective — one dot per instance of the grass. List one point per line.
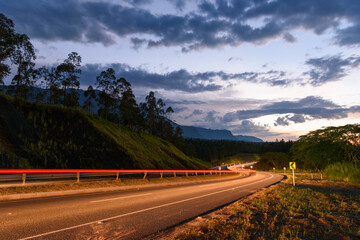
(347, 171)
(285, 212)
(146, 151)
(106, 183)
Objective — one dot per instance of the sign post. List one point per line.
(293, 167)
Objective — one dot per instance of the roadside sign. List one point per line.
(292, 165)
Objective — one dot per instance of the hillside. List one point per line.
(46, 136)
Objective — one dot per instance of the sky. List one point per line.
(274, 69)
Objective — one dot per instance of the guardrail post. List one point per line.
(196, 173)
(186, 173)
(77, 177)
(210, 173)
(23, 178)
(145, 174)
(161, 175)
(174, 174)
(117, 176)
(204, 173)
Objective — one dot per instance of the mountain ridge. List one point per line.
(214, 134)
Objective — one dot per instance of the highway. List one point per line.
(128, 214)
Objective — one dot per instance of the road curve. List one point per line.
(130, 214)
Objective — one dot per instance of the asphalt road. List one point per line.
(129, 214)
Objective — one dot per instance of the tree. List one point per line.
(90, 95)
(322, 147)
(129, 110)
(270, 160)
(105, 83)
(68, 74)
(51, 83)
(149, 108)
(156, 119)
(7, 44)
(23, 56)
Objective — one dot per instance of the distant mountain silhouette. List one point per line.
(211, 134)
(248, 138)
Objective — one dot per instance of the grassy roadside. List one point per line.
(286, 212)
(107, 183)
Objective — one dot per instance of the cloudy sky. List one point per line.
(267, 68)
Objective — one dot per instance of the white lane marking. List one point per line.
(111, 199)
(142, 210)
(208, 185)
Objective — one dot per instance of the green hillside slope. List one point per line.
(46, 136)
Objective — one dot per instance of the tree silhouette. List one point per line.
(51, 83)
(90, 96)
(128, 109)
(155, 115)
(68, 74)
(105, 83)
(7, 45)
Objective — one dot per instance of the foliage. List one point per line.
(106, 82)
(271, 160)
(343, 170)
(17, 49)
(51, 83)
(70, 138)
(68, 74)
(157, 116)
(323, 147)
(90, 95)
(7, 44)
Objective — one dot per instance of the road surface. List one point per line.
(130, 214)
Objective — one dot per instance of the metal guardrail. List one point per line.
(15, 175)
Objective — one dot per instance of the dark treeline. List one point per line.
(214, 150)
(113, 96)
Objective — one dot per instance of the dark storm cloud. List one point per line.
(310, 107)
(211, 117)
(248, 127)
(331, 68)
(55, 20)
(180, 80)
(196, 112)
(186, 102)
(213, 24)
(281, 121)
(285, 121)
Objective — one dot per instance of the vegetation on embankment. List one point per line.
(333, 151)
(61, 137)
(284, 212)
